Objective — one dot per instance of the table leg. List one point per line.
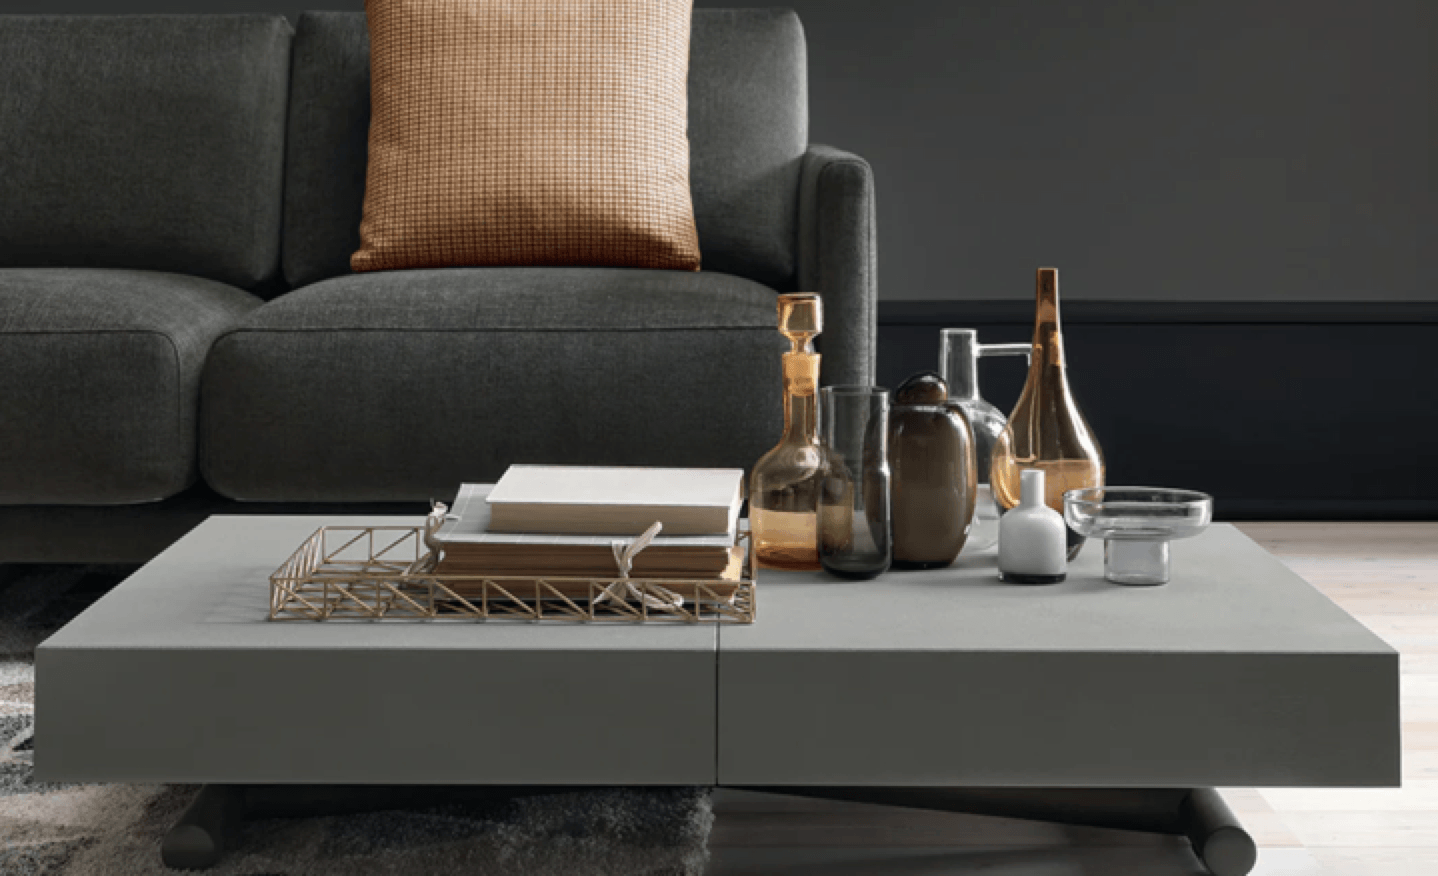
(198, 839)
(1218, 840)
(1225, 848)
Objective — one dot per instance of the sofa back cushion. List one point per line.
(748, 129)
(144, 141)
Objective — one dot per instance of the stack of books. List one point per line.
(561, 521)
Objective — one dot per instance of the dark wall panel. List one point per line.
(1299, 414)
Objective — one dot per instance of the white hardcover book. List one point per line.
(470, 547)
(616, 500)
(468, 523)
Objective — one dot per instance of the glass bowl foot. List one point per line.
(1136, 562)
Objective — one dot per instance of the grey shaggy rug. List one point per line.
(115, 830)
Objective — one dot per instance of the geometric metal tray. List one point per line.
(370, 573)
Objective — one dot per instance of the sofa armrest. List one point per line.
(837, 259)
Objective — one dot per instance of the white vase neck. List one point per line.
(1031, 488)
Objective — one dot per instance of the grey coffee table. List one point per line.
(1082, 702)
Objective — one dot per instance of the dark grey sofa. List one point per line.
(180, 333)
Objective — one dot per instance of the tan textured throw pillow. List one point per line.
(528, 132)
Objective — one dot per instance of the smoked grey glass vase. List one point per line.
(931, 455)
(855, 523)
(959, 354)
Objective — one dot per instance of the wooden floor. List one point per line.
(1384, 574)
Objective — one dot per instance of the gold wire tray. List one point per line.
(385, 573)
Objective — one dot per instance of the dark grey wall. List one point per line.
(1223, 149)
(1277, 150)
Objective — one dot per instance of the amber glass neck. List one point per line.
(1048, 337)
(801, 417)
(800, 343)
(801, 400)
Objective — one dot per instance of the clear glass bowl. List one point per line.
(1136, 524)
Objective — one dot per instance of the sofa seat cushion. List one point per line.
(402, 385)
(99, 381)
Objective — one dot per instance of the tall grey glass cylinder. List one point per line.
(855, 519)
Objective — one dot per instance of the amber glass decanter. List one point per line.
(1046, 430)
(784, 487)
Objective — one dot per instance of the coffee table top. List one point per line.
(1236, 673)
(192, 683)
(210, 590)
(1227, 595)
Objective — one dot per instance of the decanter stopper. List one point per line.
(801, 318)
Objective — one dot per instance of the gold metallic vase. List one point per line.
(784, 487)
(1046, 430)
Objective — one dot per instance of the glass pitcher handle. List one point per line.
(1025, 350)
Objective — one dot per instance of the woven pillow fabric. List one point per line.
(528, 132)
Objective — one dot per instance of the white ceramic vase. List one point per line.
(1033, 538)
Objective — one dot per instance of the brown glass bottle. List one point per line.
(1046, 430)
(931, 457)
(784, 487)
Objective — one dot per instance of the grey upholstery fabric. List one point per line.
(748, 127)
(99, 381)
(136, 533)
(147, 142)
(328, 149)
(401, 385)
(97, 534)
(837, 254)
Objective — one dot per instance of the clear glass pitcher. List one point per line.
(959, 354)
